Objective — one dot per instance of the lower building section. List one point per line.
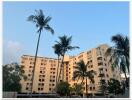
(46, 71)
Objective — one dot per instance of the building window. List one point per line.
(101, 63)
(29, 74)
(90, 88)
(53, 68)
(38, 88)
(53, 84)
(53, 76)
(39, 84)
(99, 58)
(106, 70)
(30, 66)
(107, 75)
(50, 89)
(42, 84)
(40, 80)
(93, 88)
(26, 88)
(41, 88)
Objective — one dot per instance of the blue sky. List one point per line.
(90, 24)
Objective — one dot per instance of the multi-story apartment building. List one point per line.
(46, 70)
(98, 62)
(44, 76)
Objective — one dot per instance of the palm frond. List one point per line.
(32, 18)
(47, 19)
(71, 47)
(47, 27)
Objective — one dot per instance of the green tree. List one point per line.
(78, 89)
(119, 50)
(57, 50)
(63, 88)
(41, 22)
(65, 44)
(114, 86)
(83, 73)
(12, 75)
(119, 54)
(103, 84)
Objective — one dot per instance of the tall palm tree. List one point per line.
(41, 22)
(57, 50)
(82, 72)
(119, 50)
(65, 44)
(119, 53)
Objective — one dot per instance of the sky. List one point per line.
(89, 23)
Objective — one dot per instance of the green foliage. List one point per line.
(41, 21)
(12, 74)
(114, 86)
(64, 44)
(82, 72)
(61, 47)
(119, 50)
(63, 88)
(77, 89)
(103, 87)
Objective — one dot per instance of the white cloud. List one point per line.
(12, 51)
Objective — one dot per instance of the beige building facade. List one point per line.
(46, 70)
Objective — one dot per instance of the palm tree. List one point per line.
(41, 22)
(119, 54)
(65, 44)
(121, 49)
(57, 50)
(82, 72)
(122, 65)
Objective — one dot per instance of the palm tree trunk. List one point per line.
(35, 62)
(126, 79)
(61, 68)
(127, 63)
(57, 71)
(82, 80)
(86, 87)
